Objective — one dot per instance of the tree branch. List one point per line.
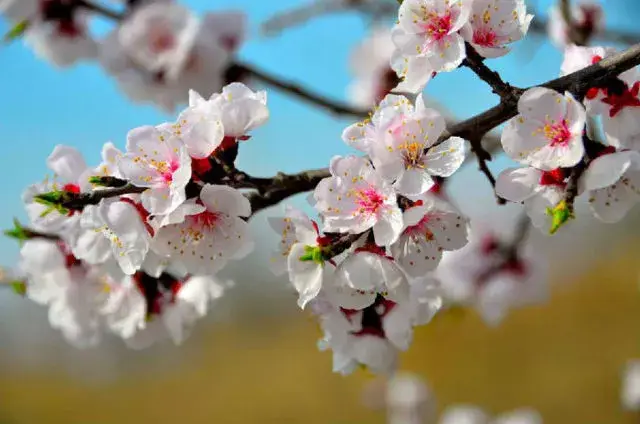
(78, 201)
(475, 62)
(333, 106)
(100, 9)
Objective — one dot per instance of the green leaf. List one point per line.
(16, 31)
(560, 213)
(18, 232)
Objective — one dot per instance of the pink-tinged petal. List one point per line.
(416, 255)
(445, 158)
(517, 184)
(410, 16)
(224, 199)
(306, 276)
(389, 227)
(407, 43)
(612, 203)
(606, 170)
(449, 54)
(67, 163)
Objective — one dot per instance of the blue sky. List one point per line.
(41, 106)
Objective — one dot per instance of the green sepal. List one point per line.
(16, 31)
(560, 213)
(53, 200)
(313, 253)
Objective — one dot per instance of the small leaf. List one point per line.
(16, 31)
(18, 232)
(561, 213)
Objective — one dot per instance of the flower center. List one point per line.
(628, 98)
(421, 228)
(166, 169)
(161, 40)
(438, 26)
(485, 37)
(557, 133)
(206, 220)
(412, 153)
(369, 201)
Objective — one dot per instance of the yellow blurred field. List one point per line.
(564, 358)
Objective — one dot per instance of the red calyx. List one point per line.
(555, 177)
(628, 98)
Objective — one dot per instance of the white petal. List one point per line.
(517, 184)
(67, 163)
(445, 159)
(218, 198)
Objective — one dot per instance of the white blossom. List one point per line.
(144, 310)
(547, 133)
(401, 141)
(159, 161)
(431, 227)
(73, 293)
(613, 182)
(537, 190)
(241, 109)
(429, 28)
(494, 24)
(356, 198)
(209, 234)
(365, 274)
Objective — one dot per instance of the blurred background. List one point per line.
(255, 358)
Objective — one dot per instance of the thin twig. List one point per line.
(100, 9)
(296, 90)
(475, 62)
(78, 201)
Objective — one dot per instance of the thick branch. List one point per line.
(283, 186)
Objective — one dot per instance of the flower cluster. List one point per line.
(365, 268)
(158, 51)
(430, 35)
(139, 258)
(550, 137)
